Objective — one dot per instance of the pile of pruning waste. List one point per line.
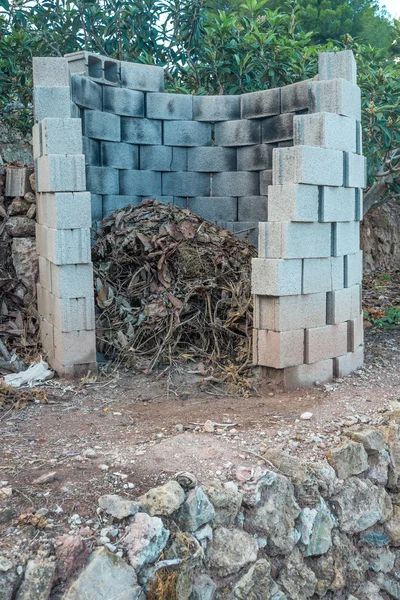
(171, 287)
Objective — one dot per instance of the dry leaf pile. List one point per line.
(171, 286)
(16, 398)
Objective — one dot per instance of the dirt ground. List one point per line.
(138, 431)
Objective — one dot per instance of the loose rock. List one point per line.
(118, 507)
(348, 459)
(163, 500)
(37, 582)
(145, 541)
(226, 504)
(257, 583)
(296, 578)
(196, 511)
(230, 551)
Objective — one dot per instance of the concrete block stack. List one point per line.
(307, 279)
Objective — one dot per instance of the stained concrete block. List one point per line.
(294, 97)
(355, 170)
(51, 102)
(294, 240)
(308, 375)
(46, 336)
(334, 65)
(101, 125)
(278, 349)
(277, 129)
(290, 312)
(124, 102)
(100, 68)
(345, 238)
(113, 203)
(272, 277)
(63, 246)
(50, 72)
(185, 184)
(237, 133)
(141, 131)
(307, 164)
(86, 93)
(293, 202)
(343, 305)
(74, 371)
(254, 208)
(325, 342)
(355, 332)
(216, 108)
(139, 183)
(335, 96)
(96, 202)
(348, 363)
(322, 274)
(353, 268)
(170, 107)
(326, 130)
(119, 155)
(146, 78)
(102, 180)
(74, 347)
(64, 210)
(215, 159)
(17, 181)
(187, 133)
(58, 173)
(254, 158)
(265, 181)
(163, 158)
(66, 314)
(60, 136)
(337, 204)
(91, 150)
(238, 183)
(260, 104)
(214, 209)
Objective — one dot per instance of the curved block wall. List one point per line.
(282, 166)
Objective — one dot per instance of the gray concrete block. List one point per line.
(102, 180)
(17, 181)
(237, 133)
(162, 199)
(67, 314)
(96, 207)
(238, 183)
(290, 312)
(214, 159)
(254, 158)
(346, 238)
(353, 268)
(163, 158)
(337, 204)
(141, 131)
(265, 181)
(214, 209)
(359, 205)
(294, 240)
(307, 164)
(64, 210)
(140, 183)
(322, 274)
(51, 102)
(100, 68)
(325, 342)
(146, 78)
(326, 130)
(303, 376)
(348, 363)
(335, 96)
(86, 93)
(185, 184)
(121, 101)
(253, 208)
(355, 170)
(115, 202)
(260, 104)
(246, 230)
(119, 155)
(216, 108)
(60, 173)
(60, 136)
(272, 277)
(277, 129)
(63, 246)
(180, 201)
(66, 281)
(355, 332)
(101, 125)
(187, 133)
(335, 65)
(50, 72)
(76, 112)
(278, 349)
(91, 150)
(293, 202)
(344, 304)
(294, 97)
(171, 107)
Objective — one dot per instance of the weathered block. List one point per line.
(60, 136)
(307, 164)
(265, 181)
(63, 246)
(67, 314)
(214, 209)
(353, 268)
(17, 181)
(91, 150)
(345, 238)
(141, 131)
(74, 371)
(343, 305)
(278, 349)
(293, 202)
(60, 173)
(187, 133)
(254, 208)
(146, 78)
(326, 130)
(290, 312)
(101, 125)
(277, 129)
(355, 332)
(96, 202)
(64, 210)
(115, 202)
(325, 342)
(352, 361)
(334, 65)
(50, 72)
(86, 93)
(119, 155)
(260, 104)
(163, 158)
(254, 158)
(239, 183)
(124, 102)
(185, 184)
(216, 108)
(322, 274)
(237, 133)
(294, 240)
(51, 102)
(335, 96)
(139, 183)
(355, 170)
(308, 375)
(172, 107)
(101, 68)
(272, 277)
(74, 347)
(294, 97)
(213, 159)
(102, 180)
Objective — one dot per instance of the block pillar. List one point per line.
(308, 322)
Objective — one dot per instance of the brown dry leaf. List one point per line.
(31, 519)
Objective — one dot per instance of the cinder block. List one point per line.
(337, 204)
(60, 136)
(322, 274)
(187, 133)
(74, 347)
(355, 170)
(101, 68)
(113, 203)
(102, 180)
(63, 246)
(216, 108)
(171, 107)
(326, 130)
(335, 96)
(91, 150)
(162, 199)
(96, 202)
(254, 158)
(254, 208)
(294, 240)
(260, 104)
(180, 201)
(121, 101)
(50, 72)
(343, 305)
(146, 78)
(325, 342)
(307, 164)
(185, 184)
(278, 349)
(163, 158)
(46, 336)
(290, 312)
(355, 332)
(345, 238)
(308, 375)
(277, 129)
(58, 173)
(265, 181)
(74, 371)
(334, 65)
(359, 205)
(51, 102)
(64, 210)
(246, 230)
(237, 133)
(101, 125)
(76, 112)
(238, 183)
(294, 97)
(353, 268)
(68, 281)
(214, 209)
(139, 183)
(215, 159)
(86, 93)
(119, 155)
(352, 361)
(141, 131)
(293, 202)
(17, 181)
(67, 314)
(272, 277)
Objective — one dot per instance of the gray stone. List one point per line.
(21, 227)
(379, 468)
(101, 125)
(141, 131)
(212, 159)
(25, 261)
(188, 550)
(230, 551)
(119, 155)
(38, 580)
(106, 576)
(239, 183)
(118, 507)
(214, 209)
(163, 158)
(147, 78)
(348, 459)
(277, 129)
(185, 184)
(254, 158)
(389, 585)
(86, 93)
(320, 535)
(139, 183)
(296, 578)
(379, 559)
(187, 133)
(237, 133)
(203, 588)
(375, 538)
(216, 108)
(294, 97)
(253, 208)
(226, 503)
(51, 102)
(145, 540)
(163, 500)
(169, 106)
(102, 180)
(392, 439)
(8, 578)
(195, 511)
(114, 202)
(368, 591)
(392, 526)
(204, 535)
(122, 101)
(257, 583)
(91, 150)
(261, 104)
